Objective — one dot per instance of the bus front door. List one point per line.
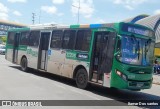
(102, 56)
(43, 50)
(15, 47)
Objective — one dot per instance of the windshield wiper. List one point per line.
(148, 43)
(133, 39)
(138, 49)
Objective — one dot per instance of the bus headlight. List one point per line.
(124, 77)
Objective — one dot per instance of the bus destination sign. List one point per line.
(137, 30)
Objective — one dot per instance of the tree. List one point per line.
(3, 39)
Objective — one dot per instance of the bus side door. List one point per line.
(15, 47)
(43, 50)
(10, 46)
(103, 55)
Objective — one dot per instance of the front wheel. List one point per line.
(82, 78)
(24, 64)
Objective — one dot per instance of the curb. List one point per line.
(157, 83)
(156, 79)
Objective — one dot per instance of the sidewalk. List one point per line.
(156, 79)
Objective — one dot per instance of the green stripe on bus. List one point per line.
(74, 26)
(22, 48)
(79, 56)
(9, 46)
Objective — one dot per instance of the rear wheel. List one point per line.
(82, 78)
(24, 64)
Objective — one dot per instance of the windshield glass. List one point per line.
(136, 51)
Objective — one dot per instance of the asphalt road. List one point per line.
(35, 85)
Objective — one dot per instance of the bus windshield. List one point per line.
(136, 51)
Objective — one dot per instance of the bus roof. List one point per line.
(19, 29)
(58, 26)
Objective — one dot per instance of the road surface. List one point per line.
(35, 85)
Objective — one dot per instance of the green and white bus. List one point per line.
(118, 55)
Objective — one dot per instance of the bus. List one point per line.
(157, 50)
(117, 55)
(157, 58)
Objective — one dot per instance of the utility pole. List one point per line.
(40, 17)
(33, 18)
(78, 7)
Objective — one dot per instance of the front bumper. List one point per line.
(133, 85)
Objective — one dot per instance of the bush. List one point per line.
(3, 39)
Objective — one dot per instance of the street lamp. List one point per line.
(78, 7)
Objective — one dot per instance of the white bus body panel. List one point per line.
(106, 79)
(56, 61)
(9, 54)
(32, 57)
(59, 64)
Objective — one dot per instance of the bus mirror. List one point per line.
(118, 55)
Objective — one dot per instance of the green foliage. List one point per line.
(3, 39)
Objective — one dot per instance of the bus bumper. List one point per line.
(121, 83)
(138, 85)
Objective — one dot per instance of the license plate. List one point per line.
(140, 84)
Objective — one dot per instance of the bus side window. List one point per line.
(34, 38)
(56, 39)
(69, 39)
(11, 38)
(24, 38)
(83, 40)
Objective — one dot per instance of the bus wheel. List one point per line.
(82, 78)
(24, 66)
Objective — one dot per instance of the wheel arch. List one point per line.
(24, 56)
(77, 68)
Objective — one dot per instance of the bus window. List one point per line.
(69, 39)
(56, 39)
(34, 38)
(24, 38)
(11, 38)
(83, 40)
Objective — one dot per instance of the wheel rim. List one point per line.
(81, 80)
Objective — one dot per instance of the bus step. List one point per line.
(95, 81)
(94, 76)
(95, 71)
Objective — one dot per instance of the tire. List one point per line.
(24, 64)
(82, 78)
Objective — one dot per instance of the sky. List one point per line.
(66, 11)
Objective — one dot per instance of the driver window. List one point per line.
(118, 44)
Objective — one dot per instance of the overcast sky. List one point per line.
(65, 11)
